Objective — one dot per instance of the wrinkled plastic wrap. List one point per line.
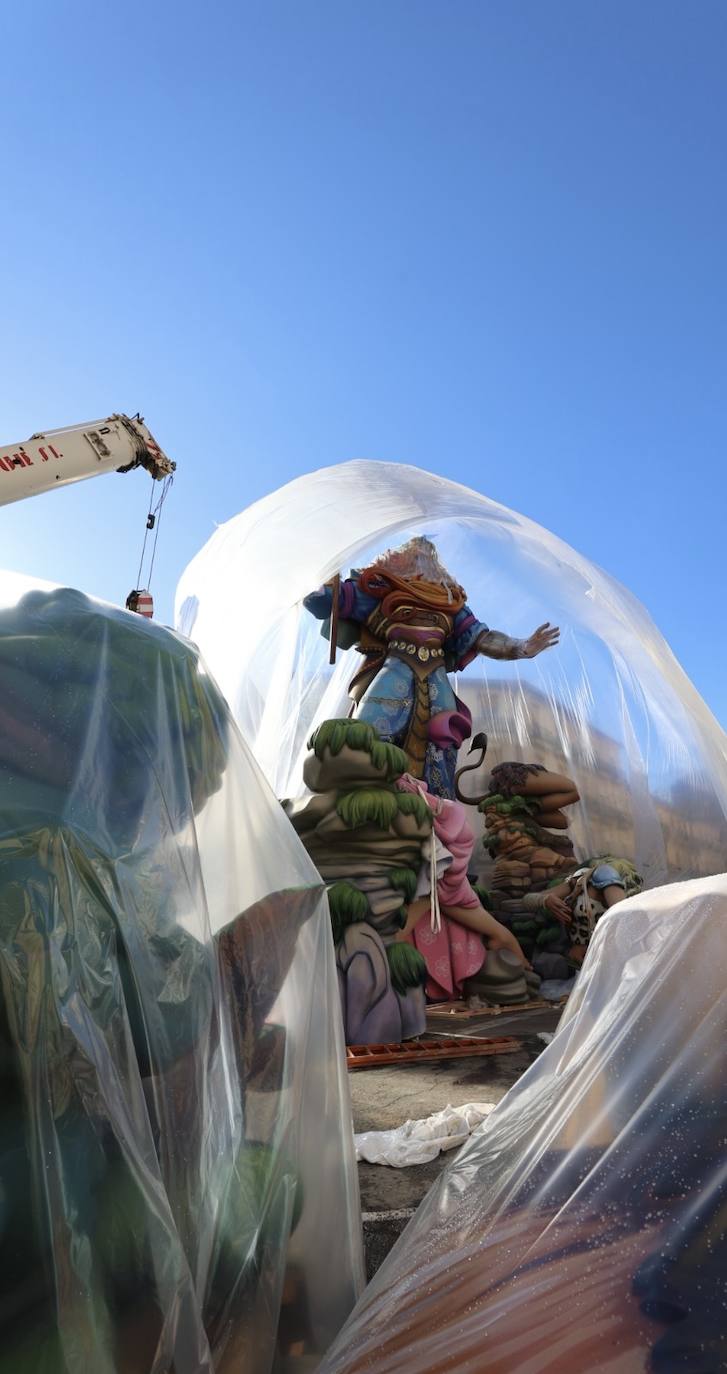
(583, 1227)
(609, 707)
(177, 1182)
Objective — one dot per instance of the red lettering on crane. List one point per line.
(17, 460)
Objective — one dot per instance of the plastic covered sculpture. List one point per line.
(610, 709)
(172, 1096)
(410, 620)
(608, 720)
(583, 1227)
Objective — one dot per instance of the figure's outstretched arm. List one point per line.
(494, 644)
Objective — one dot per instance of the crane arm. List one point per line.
(61, 456)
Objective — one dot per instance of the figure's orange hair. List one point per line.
(395, 591)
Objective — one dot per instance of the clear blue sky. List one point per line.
(486, 238)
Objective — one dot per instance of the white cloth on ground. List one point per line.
(418, 1142)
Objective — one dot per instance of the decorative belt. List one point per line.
(418, 656)
(422, 651)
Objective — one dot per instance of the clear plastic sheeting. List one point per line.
(177, 1180)
(610, 706)
(583, 1227)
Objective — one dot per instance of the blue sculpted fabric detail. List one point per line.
(353, 603)
(388, 704)
(439, 766)
(389, 701)
(461, 645)
(604, 875)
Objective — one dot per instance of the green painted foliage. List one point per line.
(368, 806)
(404, 880)
(411, 804)
(380, 806)
(347, 906)
(334, 734)
(406, 966)
(508, 806)
(492, 842)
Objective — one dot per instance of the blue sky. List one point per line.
(485, 238)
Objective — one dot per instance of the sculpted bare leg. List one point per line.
(475, 918)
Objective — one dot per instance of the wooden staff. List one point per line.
(335, 585)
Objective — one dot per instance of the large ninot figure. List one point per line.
(410, 619)
(611, 718)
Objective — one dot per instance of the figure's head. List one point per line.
(633, 881)
(417, 558)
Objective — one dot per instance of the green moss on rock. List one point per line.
(404, 880)
(411, 804)
(406, 966)
(368, 806)
(347, 905)
(380, 806)
(356, 734)
(508, 806)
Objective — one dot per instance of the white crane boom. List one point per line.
(61, 456)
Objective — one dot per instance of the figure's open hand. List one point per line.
(545, 637)
(558, 908)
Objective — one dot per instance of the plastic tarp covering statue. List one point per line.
(608, 707)
(177, 1185)
(583, 1227)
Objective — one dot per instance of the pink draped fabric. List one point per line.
(454, 952)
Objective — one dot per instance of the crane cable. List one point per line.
(140, 600)
(153, 521)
